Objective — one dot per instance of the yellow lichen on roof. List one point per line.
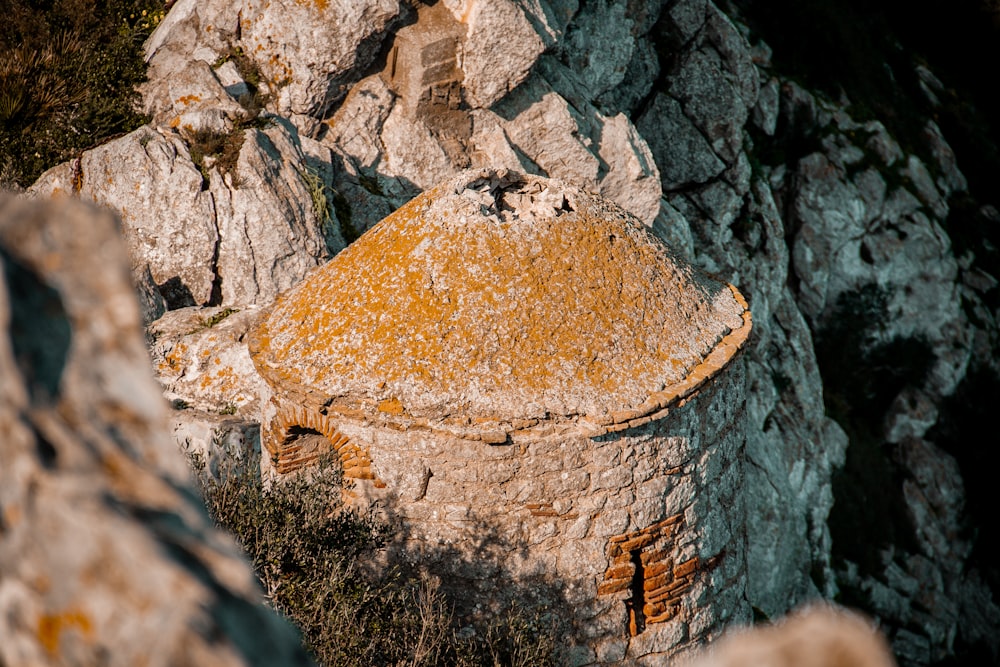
(499, 296)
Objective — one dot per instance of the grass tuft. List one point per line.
(68, 76)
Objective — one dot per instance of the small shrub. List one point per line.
(220, 150)
(309, 550)
(68, 73)
(245, 66)
(331, 207)
(210, 322)
(305, 547)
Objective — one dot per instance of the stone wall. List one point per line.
(554, 515)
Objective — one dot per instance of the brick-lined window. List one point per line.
(645, 572)
(297, 437)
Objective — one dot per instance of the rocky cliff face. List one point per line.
(281, 130)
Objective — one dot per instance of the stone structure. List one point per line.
(543, 393)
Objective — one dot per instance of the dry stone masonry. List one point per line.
(509, 356)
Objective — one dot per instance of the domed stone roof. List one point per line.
(499, 297)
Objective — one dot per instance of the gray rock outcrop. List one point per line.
(105, 556)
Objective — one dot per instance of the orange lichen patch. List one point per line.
(320, 5)
(391, 406)
(174, 361)
(225, 380)
(51, 627)
(188, 99)
(503, 297)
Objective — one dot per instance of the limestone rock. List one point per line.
(716, 84)
(302, 50)
(682, 152)
(263, 222)
(105, 558)
(200, 358)
(501, 45)
(168, 219)
(870, 248)
(549, 17)
(274, 218)
(632, 179)
(412, 154)
(600, 45)
(356, 126)
(857, 231)
(187, 93)
(216, 445)
(152, 305)
(640, 77)
(542, 125)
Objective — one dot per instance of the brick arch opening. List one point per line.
(299, 436)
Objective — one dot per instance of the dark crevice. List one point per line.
(636, 603)
(47, 452)
(40, 330)
(176, 293)
(215, 296)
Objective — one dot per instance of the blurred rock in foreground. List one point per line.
(106, 558)
(816, 636)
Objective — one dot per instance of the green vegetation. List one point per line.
(221, 150)
(247, 68)
(329, 205)
(314, 558)
(210, 322)
(68, 72)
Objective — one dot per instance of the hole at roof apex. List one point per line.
(507, 196)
